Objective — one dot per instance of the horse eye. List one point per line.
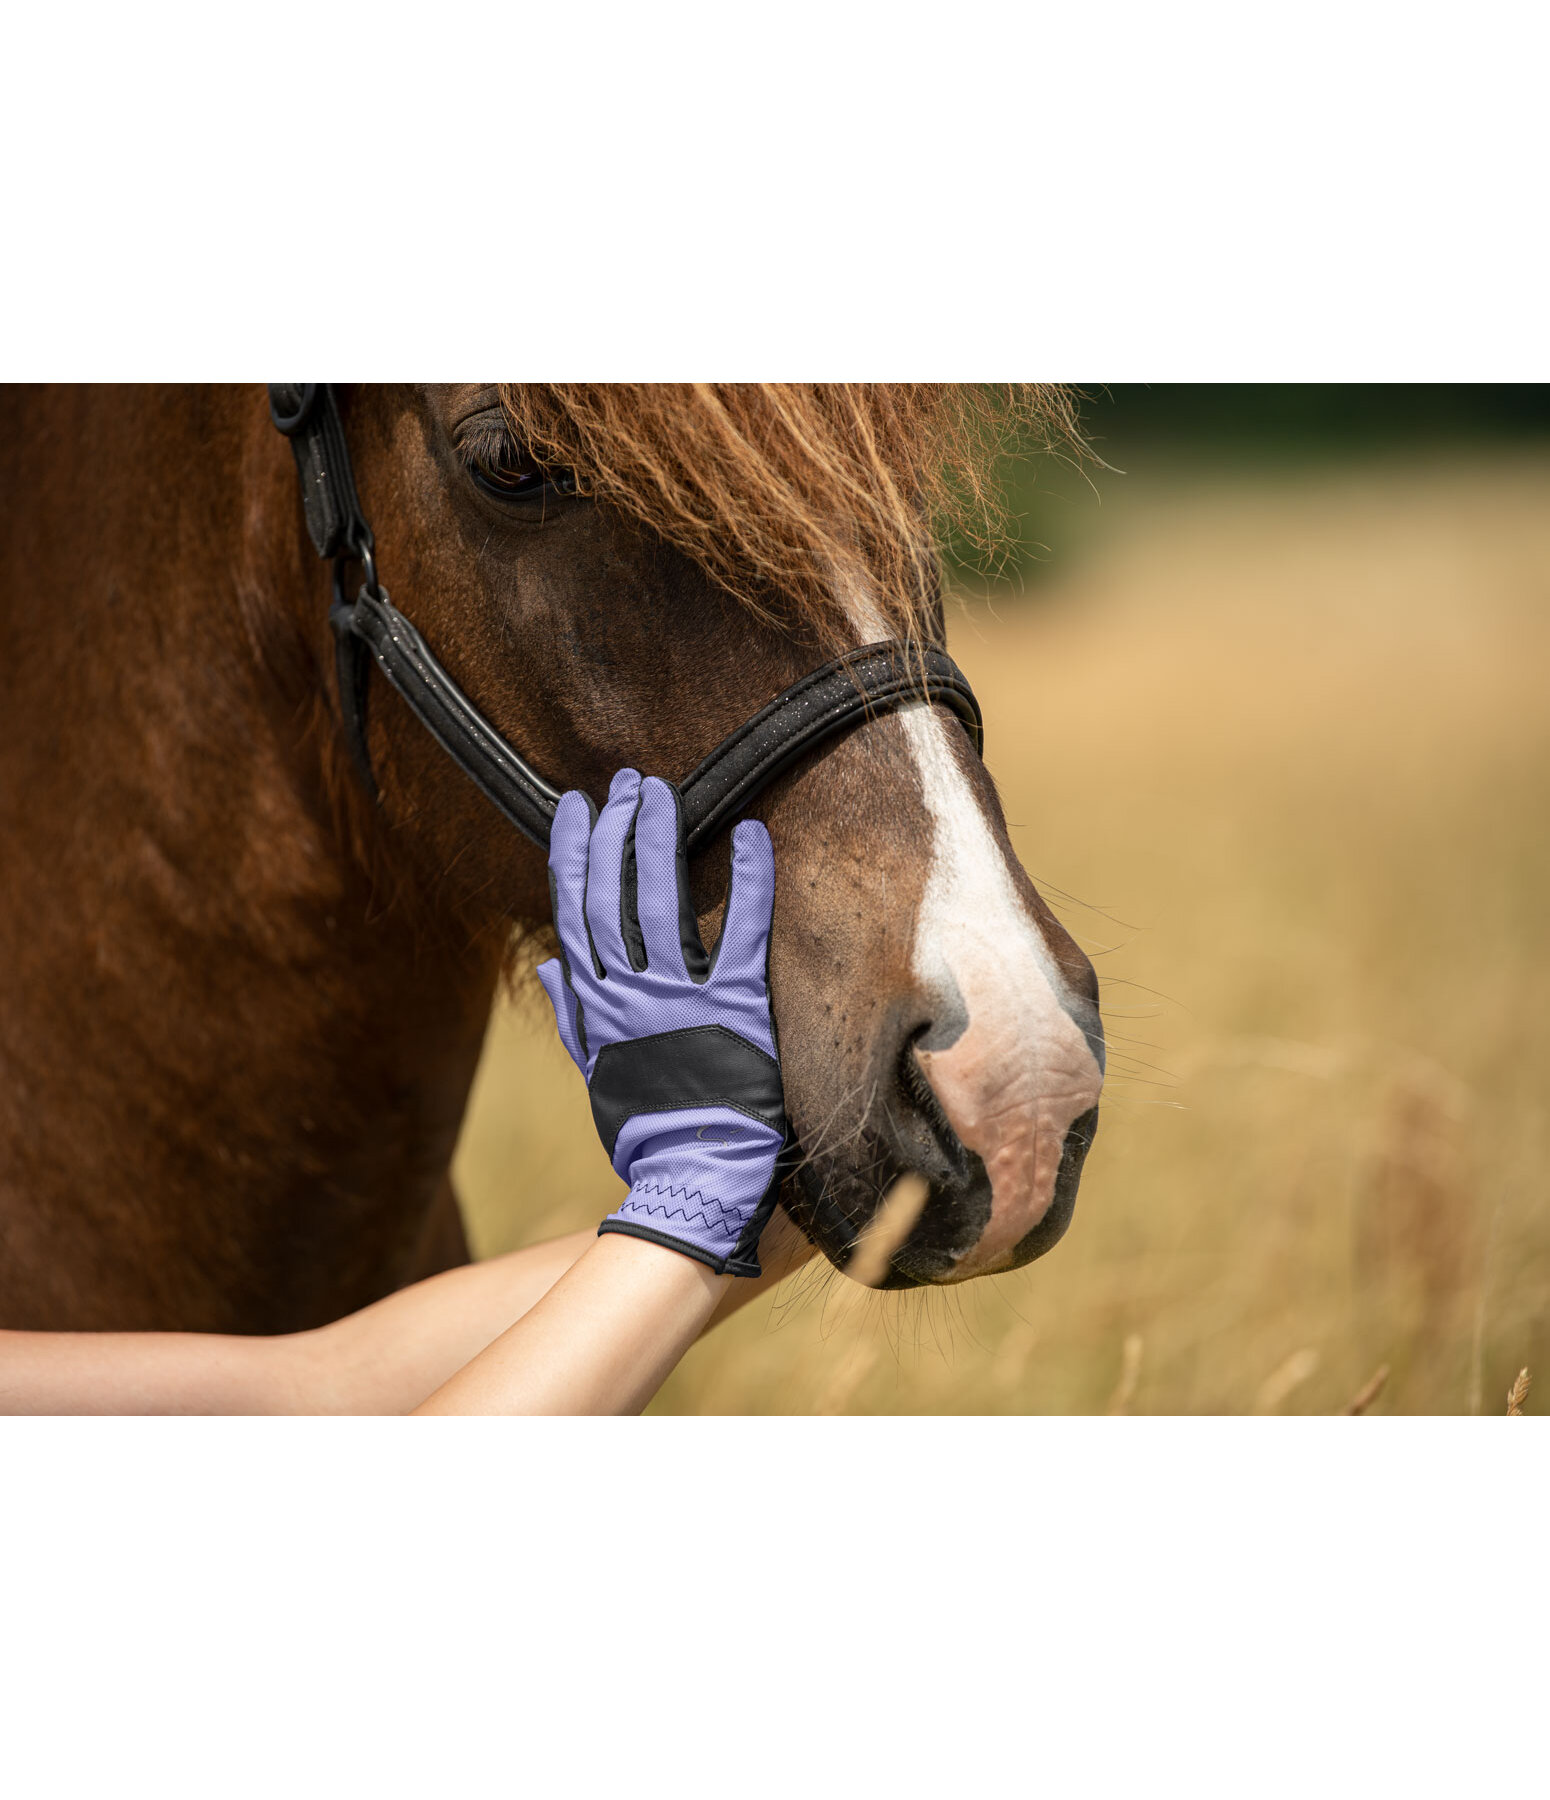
(510, 473)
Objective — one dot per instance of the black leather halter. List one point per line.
(856, 686)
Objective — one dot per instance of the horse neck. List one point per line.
(219, 1038)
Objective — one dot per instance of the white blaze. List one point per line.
(1021, 1071)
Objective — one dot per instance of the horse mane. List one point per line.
(800, 499)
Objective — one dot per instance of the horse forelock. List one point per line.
(796, 498)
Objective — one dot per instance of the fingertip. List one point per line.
(656, 795)
(573, 821)
(751, 839)
(751, 899)
(658, 800)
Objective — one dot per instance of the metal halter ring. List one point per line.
(361, 548)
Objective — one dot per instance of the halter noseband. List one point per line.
(856, 686)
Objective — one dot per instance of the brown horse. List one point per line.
(241, 1002)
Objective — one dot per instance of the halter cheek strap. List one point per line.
(370, 629)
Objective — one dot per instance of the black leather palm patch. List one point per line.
(705, 1066)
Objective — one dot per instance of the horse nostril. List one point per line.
(912, 1079)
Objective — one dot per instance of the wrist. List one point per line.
(726, 1261)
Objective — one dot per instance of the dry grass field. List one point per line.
(1278, 749)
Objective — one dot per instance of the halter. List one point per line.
(856, 686)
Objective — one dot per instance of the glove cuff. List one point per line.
(739, 1262)
(724, 1238)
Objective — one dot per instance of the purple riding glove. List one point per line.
(677, 1047)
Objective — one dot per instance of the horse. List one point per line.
(242, 996)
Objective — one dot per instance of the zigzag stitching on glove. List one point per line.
(737, 1215)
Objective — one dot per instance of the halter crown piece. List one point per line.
(842, 694)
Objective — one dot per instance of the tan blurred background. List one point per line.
(1268, 715)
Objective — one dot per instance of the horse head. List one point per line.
(622, 576)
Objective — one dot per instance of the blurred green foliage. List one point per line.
(1155, 435)
(1276, 420)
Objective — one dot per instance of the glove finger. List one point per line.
(743, 949)
(667, 923)
(563, 999)
(605, 865)
(568, 839)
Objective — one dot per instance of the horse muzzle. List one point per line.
(996, 1110)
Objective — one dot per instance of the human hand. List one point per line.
(677, 1047)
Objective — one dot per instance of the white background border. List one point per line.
(1119, 1607)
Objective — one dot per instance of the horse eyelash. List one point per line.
(484, 442)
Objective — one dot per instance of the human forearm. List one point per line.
(384, 1359)
(389, 1356)
(124, 1372)
(601, 1341)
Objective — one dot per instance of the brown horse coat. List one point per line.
(240, 1007)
